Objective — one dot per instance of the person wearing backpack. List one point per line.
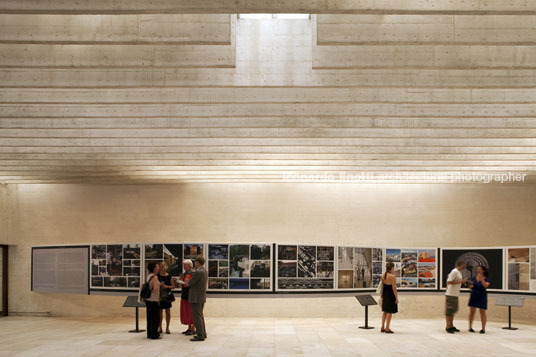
(152, 302)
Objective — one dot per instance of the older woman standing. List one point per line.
(186, 309)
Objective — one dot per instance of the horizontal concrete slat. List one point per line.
(266, 109)
(270, 76)
(233, 141)
(211, 133)
(426, 56)
(264, 6)
(115, 28)
(32, 55)
(267, 122)
(269, 95)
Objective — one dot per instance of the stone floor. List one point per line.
(33, 336)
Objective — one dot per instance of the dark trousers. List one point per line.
(199, 320)
(153, 319)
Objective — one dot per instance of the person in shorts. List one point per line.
(454, 283)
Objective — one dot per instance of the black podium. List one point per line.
(505, 300)
(366, 301)
(132, 301)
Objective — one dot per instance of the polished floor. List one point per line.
(32, 336)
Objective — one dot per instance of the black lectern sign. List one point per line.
(366, 301)
(516, 301)
(132, 301)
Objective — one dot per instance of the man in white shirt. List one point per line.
(454, 283)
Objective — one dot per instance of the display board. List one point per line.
(240, 267)
(116, 266)
(60, 269)
(355, 267)
(415, 268)
(491, 258)
(305, 267)
(521, 269)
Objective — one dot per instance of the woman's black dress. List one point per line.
(389, 300)
(167, 280)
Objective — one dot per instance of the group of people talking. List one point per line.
(193, 284)
(478, 299)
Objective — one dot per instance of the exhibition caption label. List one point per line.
(456, 177)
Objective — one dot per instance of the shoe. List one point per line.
(197, 338)
(382, 330)
(190, 333)
(450, 330)
(159, 331)
(389, 331)
(455, 329)
(471, 330)
(168, 332)
(482, 331)
(185, 332)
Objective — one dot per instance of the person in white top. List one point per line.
(454, 283)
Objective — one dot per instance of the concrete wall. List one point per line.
(401, 215)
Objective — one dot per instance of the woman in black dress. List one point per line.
(389, 297)
(166, 285)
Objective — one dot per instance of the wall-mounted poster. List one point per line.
(305, 267)
(116, 266)
(239, 266)
(521, 269)
(415, 268)
(356, 266)
(491, 258)
(170, 253)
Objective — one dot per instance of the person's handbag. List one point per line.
(169, 297)
(379, 291)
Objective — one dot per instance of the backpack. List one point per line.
(146, 290)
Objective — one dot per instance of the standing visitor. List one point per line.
(152, 302)
(186, 309)
(166, 285)
(479, 297)
(197, 296)
(454, 283)
(389, 297)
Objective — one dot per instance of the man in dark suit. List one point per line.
(197, 296)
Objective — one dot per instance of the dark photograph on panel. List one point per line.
(260, 269)
(131, 251)
(97, 281)
(192, 250)
(114, 259)
(490, 258)
(239, 284)
(286, 269)
(325, 253)
(131, 271)
(259, 284)
(154, 251)
(239, 260)
(133, 282)
(218, 283)
(115, 282)
(409, 263)
(260, 252)
(377, 254)
(218, 251)
(98, 252)
(213, 268)
(306, 261)
(95, 267)
(304, 284)
(363, 268)
(287, 252)
(223, 272)
(324, 270)
(173, 258)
